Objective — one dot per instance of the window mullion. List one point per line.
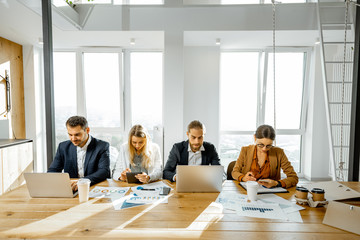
(80, 86)
(127, 91)
(264, 85)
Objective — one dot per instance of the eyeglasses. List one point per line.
(260, 145)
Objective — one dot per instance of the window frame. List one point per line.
(81, 91)
(261, 94)
(127, 80)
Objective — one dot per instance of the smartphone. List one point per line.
(130, 176)
(165, 191)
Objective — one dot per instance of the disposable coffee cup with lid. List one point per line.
(301, 192)
(318, 194)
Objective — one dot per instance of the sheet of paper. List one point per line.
(294, 217)
(288, 211)
(155, 187)
(230, 200)
(285, 205)
(272, 211)
(147, 198)
(121, 203)
(108, 192)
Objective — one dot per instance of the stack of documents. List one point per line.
(141, 194)
(267, 206)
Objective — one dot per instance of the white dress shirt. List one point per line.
(81, 154)
(195, 157)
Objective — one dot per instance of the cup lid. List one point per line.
(317, 190)
(301, 189)
(84, 180)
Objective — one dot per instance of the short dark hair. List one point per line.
(265, 131)
(75, 121)
(196, 125)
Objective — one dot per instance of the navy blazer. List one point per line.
(179, 155)
(96, 164)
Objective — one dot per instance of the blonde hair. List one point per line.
(140, 131)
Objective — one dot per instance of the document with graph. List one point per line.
(272, 211)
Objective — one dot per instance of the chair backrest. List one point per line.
(229, 170)
(114, 153)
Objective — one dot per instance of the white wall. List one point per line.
(201, 89)
(316, 151)
(34, 104)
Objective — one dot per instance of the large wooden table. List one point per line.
(186, 216)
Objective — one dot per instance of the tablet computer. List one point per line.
(130, 176)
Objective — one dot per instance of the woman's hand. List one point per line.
(269, 183)
(143, 177)
(249, 176)
(123, 174)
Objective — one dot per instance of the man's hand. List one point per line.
(123, 174)
(269, 183)
(143, 177)
(74, 185)
(249, 176)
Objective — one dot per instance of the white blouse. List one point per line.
(123, 162)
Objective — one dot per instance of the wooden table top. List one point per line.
(185, 216)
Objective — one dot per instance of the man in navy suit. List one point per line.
(82, 156)
(194, 151)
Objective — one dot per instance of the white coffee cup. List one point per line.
(252, 188)
(83, 189)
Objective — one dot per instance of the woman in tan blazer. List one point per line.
(262, 162)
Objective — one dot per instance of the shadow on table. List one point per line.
(185, 215)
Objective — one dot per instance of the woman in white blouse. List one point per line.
(139, 154)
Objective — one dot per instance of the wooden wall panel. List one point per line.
(15, 161)
(10, 51)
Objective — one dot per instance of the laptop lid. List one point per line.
(49, 185)
(203, 178)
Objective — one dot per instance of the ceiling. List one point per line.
(24, 26)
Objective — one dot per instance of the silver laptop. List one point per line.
(201, 178)
(49, 185)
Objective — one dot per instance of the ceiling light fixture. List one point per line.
(132, 41)
(218, 41)
(317, 41)
(41, 41)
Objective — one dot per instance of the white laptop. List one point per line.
(203, 178)
(49, 185)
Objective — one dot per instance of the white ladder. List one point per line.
(332, 36)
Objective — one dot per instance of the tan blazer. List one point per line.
(277, 160)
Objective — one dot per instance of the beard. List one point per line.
(195, 148)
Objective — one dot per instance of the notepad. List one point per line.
(262, 189)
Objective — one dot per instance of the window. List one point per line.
(146, 88)
(239, 73)
(64, 91)
(102, 89)
(247, 100)
(91, 84)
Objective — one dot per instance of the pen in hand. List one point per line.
(147, 189)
